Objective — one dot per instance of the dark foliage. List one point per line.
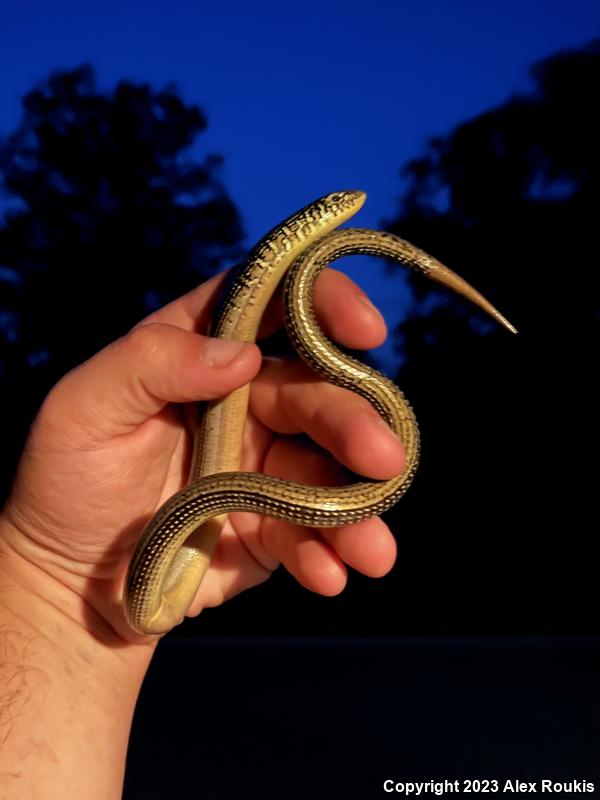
(504, 512)
(108, 215)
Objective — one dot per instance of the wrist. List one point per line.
(67, 690)
(38, 601)
(88, 593)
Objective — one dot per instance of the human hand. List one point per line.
(111, 443)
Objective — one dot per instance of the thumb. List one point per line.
(133, 378)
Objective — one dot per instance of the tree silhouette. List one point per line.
(504, 499)
(107, 216)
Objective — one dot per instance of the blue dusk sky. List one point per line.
(302, 98)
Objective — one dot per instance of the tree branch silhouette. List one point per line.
(509, 200)
(109, 213)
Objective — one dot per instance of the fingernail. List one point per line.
(368, 304)
(220, 352)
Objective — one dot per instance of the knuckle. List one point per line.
(145, 341)
(52, 408)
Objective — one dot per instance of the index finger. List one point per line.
(343, 310)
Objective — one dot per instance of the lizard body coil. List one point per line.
(175, 548)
